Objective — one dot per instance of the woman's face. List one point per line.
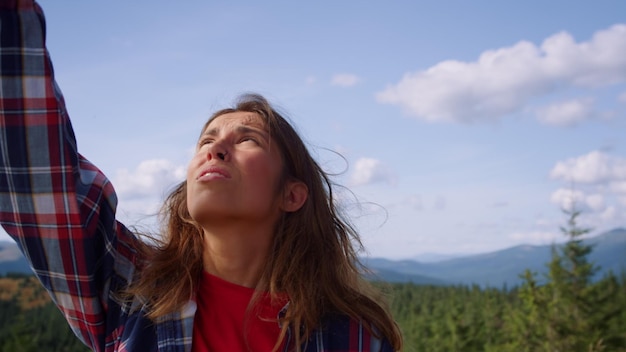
(235, 172)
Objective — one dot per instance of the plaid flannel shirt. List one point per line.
(60, 209)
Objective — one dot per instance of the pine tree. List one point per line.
(570, 300)
(526, 321)
(569, 312)
(580, 313)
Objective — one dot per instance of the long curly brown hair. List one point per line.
(313, 259)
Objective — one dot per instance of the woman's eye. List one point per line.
(205, 142)
(248, 139)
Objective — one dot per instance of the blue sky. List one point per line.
(466, 126)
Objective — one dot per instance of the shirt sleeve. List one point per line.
(59, 208)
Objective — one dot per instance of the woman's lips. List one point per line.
(212, 173)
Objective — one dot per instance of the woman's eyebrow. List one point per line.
(211, 132)
(242, 129)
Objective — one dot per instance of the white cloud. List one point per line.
(622, 97)
(504, 80)
(597, 184)
(141, 191)
(151, 178)
(536, 237)
(609, 214)
(569, 199)
(596, 202)
(345, 80)
(618, 187)
(368, 171)
(594, 167)
(566, 113)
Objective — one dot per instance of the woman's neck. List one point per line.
(236, 256)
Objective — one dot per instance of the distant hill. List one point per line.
(503, 267)
(12, 260)
(435, 257)
(494, 269)
(394, 276)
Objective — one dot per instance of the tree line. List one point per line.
(29, 321)
(564, 311)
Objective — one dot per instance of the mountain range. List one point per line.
(494, 269)
(499, 268)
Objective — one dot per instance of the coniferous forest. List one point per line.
(563, 311)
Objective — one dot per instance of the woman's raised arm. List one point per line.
(58, 207)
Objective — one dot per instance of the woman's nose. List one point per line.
(217, 150)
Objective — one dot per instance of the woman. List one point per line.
(253, 256)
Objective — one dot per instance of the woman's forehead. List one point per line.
(238, 118)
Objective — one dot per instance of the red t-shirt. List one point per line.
(222, 322)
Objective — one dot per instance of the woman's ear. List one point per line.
(294, 196)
